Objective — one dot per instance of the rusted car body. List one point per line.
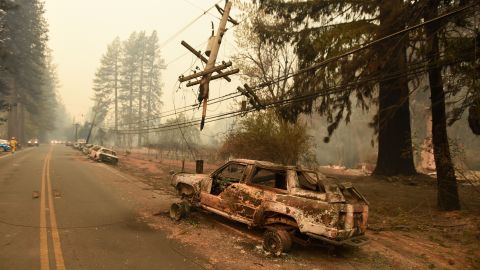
(303, 203)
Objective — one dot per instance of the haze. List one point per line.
(81, 30)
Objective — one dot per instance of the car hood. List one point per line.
(197, 181)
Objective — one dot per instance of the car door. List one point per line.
(246, 199)
(223, 197)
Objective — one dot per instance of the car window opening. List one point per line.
(270, 178)
(309, 180)
(233, 173)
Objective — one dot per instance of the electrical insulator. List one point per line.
(211, 39)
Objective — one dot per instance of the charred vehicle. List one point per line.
(107, 156)
(291, 203)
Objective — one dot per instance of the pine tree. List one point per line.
(128, 79)
(154, 65)
(449, 49)
(142, 47)
(320, 30)
(28, 70)
(106, 83)
(128, 86)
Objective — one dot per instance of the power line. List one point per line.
(200, 8)
(364, 46)
(176, 34)
(324, 92)
(327, 61)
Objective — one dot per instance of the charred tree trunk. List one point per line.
(395, 155)
(447, 198)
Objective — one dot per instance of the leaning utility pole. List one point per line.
(93, 122)
(212, 53)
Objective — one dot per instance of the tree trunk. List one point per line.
(447, 197)
(395, 154)
(13, 113)
(130, 118)
(149, 99)
(21, 123)
(140, 96)
(12, 121)
(116, 99)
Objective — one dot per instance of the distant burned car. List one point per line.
(291, 203)
(107, 156)
(86, 148)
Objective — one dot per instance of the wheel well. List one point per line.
(273, 218)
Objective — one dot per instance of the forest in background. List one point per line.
(30, 106)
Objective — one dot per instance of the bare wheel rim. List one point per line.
(272, 245)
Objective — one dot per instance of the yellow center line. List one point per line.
(44, 264)
(57, 248)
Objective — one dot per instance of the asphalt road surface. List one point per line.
(57, 213)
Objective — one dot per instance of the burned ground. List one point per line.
(405, 229)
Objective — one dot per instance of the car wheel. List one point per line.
(179, 210)
(277, 241)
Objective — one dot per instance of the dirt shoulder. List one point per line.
(405, 229)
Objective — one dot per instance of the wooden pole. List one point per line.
(201, 57)
(204, 85)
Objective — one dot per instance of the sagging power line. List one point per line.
(314, 67)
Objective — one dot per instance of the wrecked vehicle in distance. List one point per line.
(291, 203)
(107, 156)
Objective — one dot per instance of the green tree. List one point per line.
(266, 136)
(320, 30)
(28, 72)
(446, 41)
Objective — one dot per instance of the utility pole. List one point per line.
(76, 131)
(212, 53)
(93, 123)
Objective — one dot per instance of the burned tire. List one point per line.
(179, 210)
(277, 241)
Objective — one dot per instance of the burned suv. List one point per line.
(291, 203)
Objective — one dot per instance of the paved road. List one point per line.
(57, 213)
